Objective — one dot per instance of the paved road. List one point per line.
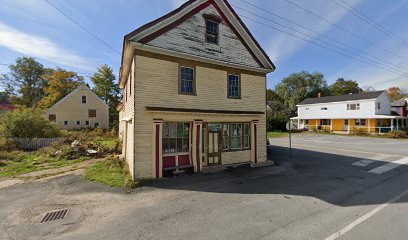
(327, 191)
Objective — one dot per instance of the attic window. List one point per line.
(83, 99)
(211, 35)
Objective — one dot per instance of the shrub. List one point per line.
(397, 134)
(26, 123)
(359, 132)
(275, 124)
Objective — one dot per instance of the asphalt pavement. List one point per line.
(333, 187)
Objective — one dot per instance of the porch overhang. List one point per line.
(201, 111)
(352, 117)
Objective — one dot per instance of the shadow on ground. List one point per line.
(330, 177)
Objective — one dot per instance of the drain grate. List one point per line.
(51, 216)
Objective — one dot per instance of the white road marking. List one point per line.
(369, 160)
(363, 218)
(389, 166)
(363, 163)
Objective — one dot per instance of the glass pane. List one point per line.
(172, 129)
(235, 142)
(179, 144)
(246, 142)
(172, 145)
(165, 145)
(179, 130)
(186, 130)
(165, 130)
(185, 147)
(225, 142)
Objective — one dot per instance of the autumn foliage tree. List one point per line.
(395, 93)
(59, 84)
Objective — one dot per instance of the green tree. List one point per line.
(271, 95)
(59, 84)
(343, 87)
(4, 97)
(26, 123)
(26, 79)
(299, 86)
(107, 89)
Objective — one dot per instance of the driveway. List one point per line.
(326, 191)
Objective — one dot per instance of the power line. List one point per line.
(344, 29)
(320, 45)
(83, 28)
(368, 20)
(391, 65)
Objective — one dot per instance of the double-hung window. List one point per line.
(325, 122)
(211, 35)
(187, 82)
(360, 122)
(353, 106)
(83, 99)
(234, 86)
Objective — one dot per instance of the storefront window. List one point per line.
(225, 137)
(236, 135)
(176, 137)
(247, 135)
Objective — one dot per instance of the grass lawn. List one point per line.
(277, 134)
(16, 163)
(109, 172)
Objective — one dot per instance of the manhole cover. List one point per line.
(51, 216)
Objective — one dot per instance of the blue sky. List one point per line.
(33, 28)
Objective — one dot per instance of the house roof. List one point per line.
(342, 98)
(399, 103)
(154, 29)
(82, 86)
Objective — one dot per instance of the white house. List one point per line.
(370, 112)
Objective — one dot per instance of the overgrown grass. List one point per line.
(16, 163)
(277, 134)
(111, 172)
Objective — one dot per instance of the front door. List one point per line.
(214, 146)
(346, 125)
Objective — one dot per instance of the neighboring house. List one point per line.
(370, 112)
(399, 107)
(82, 108)
(4, 107)
(194, 89)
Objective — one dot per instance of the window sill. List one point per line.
(234, 98)
(188, 94)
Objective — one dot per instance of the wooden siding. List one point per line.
(189, 37)
(127, 112)
(157, 85)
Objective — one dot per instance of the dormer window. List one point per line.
(212, 28)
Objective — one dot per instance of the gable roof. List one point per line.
(153, 29)
(82, 86)
(341, 98)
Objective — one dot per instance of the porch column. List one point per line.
(392, 124)
(196, 148)
(369, 125)
(397, 123)
(331, 125)
(254, 140)
(157, 148)
(298, 124)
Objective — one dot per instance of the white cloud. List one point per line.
(40, 47)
